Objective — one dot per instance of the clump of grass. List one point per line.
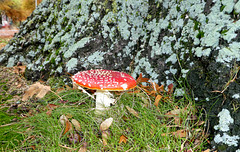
(151, 130)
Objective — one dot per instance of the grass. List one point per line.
(152, 130)
(176, 124)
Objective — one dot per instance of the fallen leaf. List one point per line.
(160, 88)
(37, 88)
(123, 139)
(106, 124)
(19, 69)
(175, 112)
(132, 111)
(66, 123)
(157, 99)
(170, 88)
(60, 90)
(43, 91)
(52, 106)
(68, 127)
(76, 124)
(141, 79)
(83, 148)
(180, 133)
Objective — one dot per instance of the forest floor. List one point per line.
(148, 118)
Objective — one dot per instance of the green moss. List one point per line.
(9, 133)
(196, 25)
(222, 8)
(223, 32)
(200, 34)
(52, 61)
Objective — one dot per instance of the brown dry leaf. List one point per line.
(157, 99)
(141, 79)
(83, 148)
(60, 90)
(66, 123)
(152, 93)
(19, 69)
(170, 88)
(160, 88)
(52, 106)
(76, 124)
(123, 139)
(36, 88)
(106, 124)
(68, 127)
(132, 111)
(180, 133)
(43, 91)
(175, 112)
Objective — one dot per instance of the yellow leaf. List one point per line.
(123, 139)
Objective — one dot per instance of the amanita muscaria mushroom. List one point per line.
(104, 81)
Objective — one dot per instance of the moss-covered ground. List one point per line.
(175, 124)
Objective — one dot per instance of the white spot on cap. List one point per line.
(124, 86)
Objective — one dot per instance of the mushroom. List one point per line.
(104, 81)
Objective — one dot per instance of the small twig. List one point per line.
(69, 148)
(8, 124)
(84, 91)
(56, 94)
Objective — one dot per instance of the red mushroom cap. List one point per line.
(104, 80)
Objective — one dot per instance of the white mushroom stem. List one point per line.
(104, 99)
